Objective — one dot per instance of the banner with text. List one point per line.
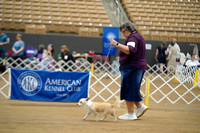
(108, 34)
(39, 85)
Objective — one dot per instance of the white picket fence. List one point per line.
(105, 83)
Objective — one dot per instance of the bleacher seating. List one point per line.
(155, 19)
(70, 16)
(164, 19)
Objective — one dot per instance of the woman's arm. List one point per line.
(14, 50)
(20, 50)
(166, 52)
(3, 43)
(156, 54)
(121, 47)
(44, 54)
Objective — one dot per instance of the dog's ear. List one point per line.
(87, 99)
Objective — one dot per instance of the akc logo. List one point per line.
(29, 83)
(110, 36)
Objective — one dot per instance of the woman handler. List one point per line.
(132, 66)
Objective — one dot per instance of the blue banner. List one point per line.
(39, 85)
(108, 34)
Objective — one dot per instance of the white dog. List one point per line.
(95, 108)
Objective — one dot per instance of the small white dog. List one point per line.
(95, 108)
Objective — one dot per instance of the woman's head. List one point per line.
(19, 37)
(50, 48)
(64, 49)
(193, 57)
(41, 47)
(127, 28)
(163, 44)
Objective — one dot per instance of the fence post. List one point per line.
(92, 69)
(147, 92)
(176, 76)
(4, 61)
(196, 78)
(9, 89)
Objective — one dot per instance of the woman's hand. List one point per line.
(113, 42)
(49, 53)
(16, 53)
(123, 48)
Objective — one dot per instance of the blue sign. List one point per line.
(108, 34)
(39, 85)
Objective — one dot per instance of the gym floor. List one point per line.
(55, 117)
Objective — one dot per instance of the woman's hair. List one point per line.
(163, 44)
(19, 35)
(51, 45)
(129, 27)
(64, 47)
(41, 47)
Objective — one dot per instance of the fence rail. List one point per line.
(105, 84)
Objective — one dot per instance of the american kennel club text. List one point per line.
(62, 85)
(30, 83)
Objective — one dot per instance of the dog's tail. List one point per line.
(117, 102)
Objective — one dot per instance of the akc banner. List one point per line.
(108, 34)
(41, 85)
